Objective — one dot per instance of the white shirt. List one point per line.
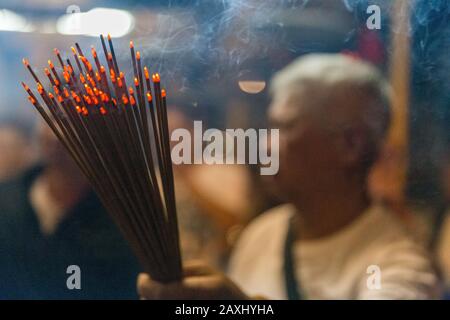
(335, 267)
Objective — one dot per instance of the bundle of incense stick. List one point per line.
(119, 138)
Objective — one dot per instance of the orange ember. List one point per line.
(155, 77)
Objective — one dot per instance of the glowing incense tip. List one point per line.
(130, 90)
(85, 111)
(31, 99)
(155, 77)
(163, 93)
(25, 62)
(102, 69)
(50, 64)
(55, 88)
(25, 86)
(66, 93)
(66, 76)
(73, 50)
(94, 53)
(149, 97)
(132, 101)
(103, 111)
(136, 82)
(109, 36)
(78, 109)
(131, 44)
(109, 56)
(50, 95)
(112, 73)
(138, 55)
(121, 75)
(124, 99)
(47, 72)
(119, 82)
(147, 75)
(60, 99)
(82, 79)
(40, 88)
(56, 51)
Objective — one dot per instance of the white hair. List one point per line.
(323, 75)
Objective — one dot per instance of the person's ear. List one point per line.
(353, 146)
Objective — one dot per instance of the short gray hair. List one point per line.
(324, 74)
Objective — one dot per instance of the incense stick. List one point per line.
(107, 128)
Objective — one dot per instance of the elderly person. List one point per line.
(329, 241)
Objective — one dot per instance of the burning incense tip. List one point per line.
(136, 82)
(147, 75)
(163, 93)
(130, 90)
(40, 88)
(149, 97)
(31, 99)
(103, 111)
(132, 101)
(131, 44)
(25, 86)
(155, 77)
(78, 109)
(25, 62)
(102, 69)
(56, 51)
(138, 55)
(50, 64)
(124, 99)
(73, 50)
(109, 37)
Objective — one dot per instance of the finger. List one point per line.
(196, 268)
(146, 287)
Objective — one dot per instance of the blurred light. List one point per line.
(10, 21)
(97, 21)
(251, 86)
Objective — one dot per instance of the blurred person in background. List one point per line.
(50, 219)
(16, 151)
(329, 241)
